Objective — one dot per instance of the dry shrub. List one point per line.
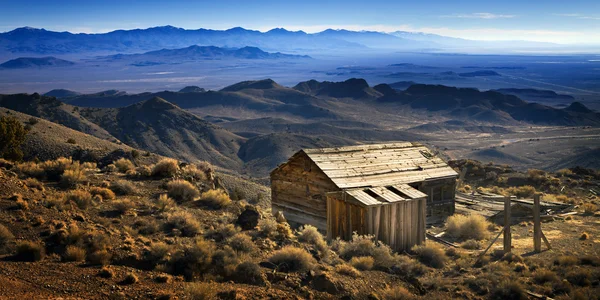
(347, 270)
(130, 278)
(99, 257)
(525, 191)
(292, 259)
(72, 177)
(222, 232)
(5, 236)
(241, 242)
(74, 253)
(249, 273)
(512, 258)
(589, 208)
(566, 260)
(404, 265)
(124, 165)
(182, 190)
(397, 293)
(215, 198)
(123, 206)
(183, 221)
(587, 260)
(29, 251)
(105, 193)
(53, 169)
(167, 167)
(580, 277)
(200, 291)
(30, 169)
(584, 236)
(105, 272)
(564, 172)
(81, 198)
(111, 168)
(144, 171)
(192, 172)
(33, 183)
(309, 234)
(520, 267)
(431, 255)
(541, 276)
(162, 278)
(267, 227)
(362, 263)
(192, 260)
(20, 203)
(363, 245)
(471, 245)
(123, 187)
(157, 253)
(508, 289)
(146, 227)
(467, 227)
(164, 203)
(89, 166)
(225, 261)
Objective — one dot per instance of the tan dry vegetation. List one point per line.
(182, 190)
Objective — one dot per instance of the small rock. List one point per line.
(248, 219)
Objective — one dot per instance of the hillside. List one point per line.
(35, 62)
(158, 126)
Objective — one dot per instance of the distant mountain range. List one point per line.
(35, 62)
(41, 41)
(195, 52)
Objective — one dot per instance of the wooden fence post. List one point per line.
(537, 226)
(507, 220)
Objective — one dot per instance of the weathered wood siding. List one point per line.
(441, 194)
(298, 189)
(400, 225)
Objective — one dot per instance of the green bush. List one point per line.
(12, 135)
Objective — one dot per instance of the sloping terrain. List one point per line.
(35, 62)
(162, 127)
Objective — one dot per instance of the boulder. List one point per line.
(248, 219)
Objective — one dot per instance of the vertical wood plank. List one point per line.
(393, 209)
(349, 220)
(537, 226)
(377, 221)
(507, 220)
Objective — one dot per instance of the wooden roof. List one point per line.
(379, 165)
(383, 195)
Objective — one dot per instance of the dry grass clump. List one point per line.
(183, 221)
(566, 260)
(589, 208)
(508, 289)
(123, 187)
(33, 183)
(162, 278)
(309, 234)
(166, 167)
(81, 198)
(222, 232)
(105, 272)
(215, 198)
(200, 291)
(30, 251)
(471, 245)
(362, 263)
(74, 253)
(397, 293)
(467, 227)
(53, 169)
(157, 253)
(541, 276)
(192, 260)
(164, 203)
(124, 165)
(144, 171)
(363, 245)
(248, 272)
(30, 169)
(72, 177)
(130, 278)
(105, 193)
(431, 255)
(241, 242)
(5, 237)
(525, 191)
(99, 257)
(348, 270)
(20, 203)
(182, 190)
(192, 172)
(111, 168)
(579, 276)
(267, 227)
(123, 206)
(292, 259)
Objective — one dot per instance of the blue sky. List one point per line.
(539, 20)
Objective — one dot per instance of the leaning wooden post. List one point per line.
(507, 219)
(537, 226)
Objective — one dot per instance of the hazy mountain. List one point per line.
(35, 62)
(375, 39)
(536, 95)
(62, 93)
(192, 89)
(197, 53)
(351, 88)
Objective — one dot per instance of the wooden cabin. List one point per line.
(386, 190)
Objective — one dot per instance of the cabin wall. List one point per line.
(440, 196)
(298, 190)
